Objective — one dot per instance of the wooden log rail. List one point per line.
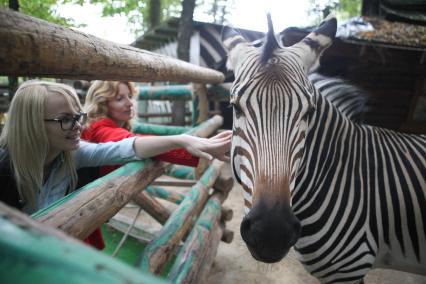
(33, 47)
(34, 252)
(182, 92)
(201, 245)
(159, 251)
(36, 48)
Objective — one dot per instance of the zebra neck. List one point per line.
(331, 138)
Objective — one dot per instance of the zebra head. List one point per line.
(272, 100)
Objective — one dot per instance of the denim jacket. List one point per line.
(57, 183)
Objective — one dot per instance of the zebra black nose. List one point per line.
(270, 233)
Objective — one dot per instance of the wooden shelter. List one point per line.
(388, 61)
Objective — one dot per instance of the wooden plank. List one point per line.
(33, 47)
(36, 253)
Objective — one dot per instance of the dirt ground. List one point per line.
(235, 265)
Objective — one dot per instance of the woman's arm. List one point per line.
(209, 148)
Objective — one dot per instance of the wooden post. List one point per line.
(190, 258)
(160, 250)
(79, 213)
(200, 104)
(33, 252)
(33, 47)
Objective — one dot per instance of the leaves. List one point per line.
(44, 9)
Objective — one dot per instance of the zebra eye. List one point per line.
(237, 109)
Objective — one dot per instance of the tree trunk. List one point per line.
(370, 8)
(13, 80)
(183, 51)
(154, 13)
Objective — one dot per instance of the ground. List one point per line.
(234, 264)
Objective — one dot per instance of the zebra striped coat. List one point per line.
(348, 197)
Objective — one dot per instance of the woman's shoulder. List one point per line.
(103, 122)
(95, 128)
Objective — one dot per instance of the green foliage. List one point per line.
(343, 9)
(217, 9)
(136, 11)
(44, 9)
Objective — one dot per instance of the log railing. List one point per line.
(32, 47)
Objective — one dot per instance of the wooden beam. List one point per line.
(79, 213)
(33, 47)
(152, 207)
(36, 253)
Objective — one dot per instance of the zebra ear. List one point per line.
(232, 42)
(314, 44)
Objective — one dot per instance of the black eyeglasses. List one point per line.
(68, 122)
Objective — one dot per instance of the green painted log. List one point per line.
(148, 128)
(165, 194)
(160, 250)
(35, 253)
(189, 259)
(80, 212)
(164, 93)
(182, 172)
(182, 92)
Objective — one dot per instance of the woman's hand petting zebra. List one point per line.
(348, 197)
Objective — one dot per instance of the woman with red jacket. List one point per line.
(110, 107)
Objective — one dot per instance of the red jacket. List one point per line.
(106, 130)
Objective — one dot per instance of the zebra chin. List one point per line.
(270, 232)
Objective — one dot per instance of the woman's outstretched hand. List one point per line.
(214, 147)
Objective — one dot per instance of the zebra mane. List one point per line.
(349, 99)
(271, 42)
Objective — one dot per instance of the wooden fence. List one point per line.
(45, 248)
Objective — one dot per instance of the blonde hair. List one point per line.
(98, 95)
(24, 135)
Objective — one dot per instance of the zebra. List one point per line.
(348, 197)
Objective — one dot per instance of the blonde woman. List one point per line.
(40, 147)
